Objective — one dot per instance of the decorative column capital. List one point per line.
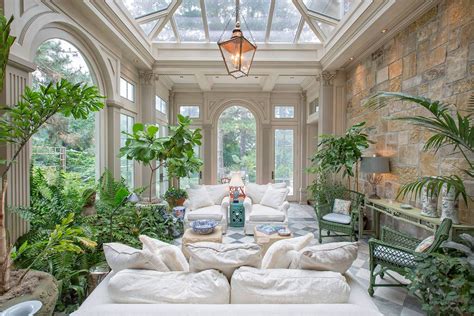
(147, 77)
(327, 78)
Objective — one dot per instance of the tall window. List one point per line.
(63, 141)
(126, 165)
(284, 157)
(284, 111)
(127, 90)
(161, 105)
(189, 110)
(237, 146)
(194, 178)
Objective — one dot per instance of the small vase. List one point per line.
(449, 204)
(429, 204)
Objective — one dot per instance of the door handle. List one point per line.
(273, 175)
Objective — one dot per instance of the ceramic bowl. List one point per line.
(204, 226)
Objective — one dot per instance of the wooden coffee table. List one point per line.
(265, 241)
(190, 237)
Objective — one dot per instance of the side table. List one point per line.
(190, 237)
(237, 214)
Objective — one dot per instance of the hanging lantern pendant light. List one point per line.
(238, 52)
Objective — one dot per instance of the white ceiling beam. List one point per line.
(313, 26)
(204, 20)
(270, 82)
(269, 21)
(323, 18)
(175, 30)
(299, 30)
(151, 17)
(174, 5)
(203, 82)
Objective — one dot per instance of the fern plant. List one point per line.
(449, 127)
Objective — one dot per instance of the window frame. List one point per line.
(130, 163)
(129, 85)
(284, 106)
(191, 105)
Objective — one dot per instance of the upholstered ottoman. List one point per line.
(190, 237)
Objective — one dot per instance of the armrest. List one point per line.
(248, 205)
(284, 208)
(225, 202)
(187, 204)
(398, 239)
(322, 210)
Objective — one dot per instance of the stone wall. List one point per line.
(432, 57)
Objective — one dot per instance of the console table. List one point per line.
(412, 216)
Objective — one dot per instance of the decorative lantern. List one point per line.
(238, 51)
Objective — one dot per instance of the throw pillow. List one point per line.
(342, 207)
(274, 198)
(171, 255)
(337, 257)
(282, 253)
(199, 198)
(425, 244)
(283, 286)
(153, 287)
(217, 192)
(255, 191)
(279, 185)
(120, 257)
(223, 257)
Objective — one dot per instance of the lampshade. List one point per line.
(375, 165)
(236, 180)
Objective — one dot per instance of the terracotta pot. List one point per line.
(180, 201)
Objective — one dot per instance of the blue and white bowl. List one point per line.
(204, 226)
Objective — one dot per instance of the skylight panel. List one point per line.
(348, 5)
(255, 13)
(218, 13)
(166, 34)
(308, 36)
(147, 27)
(285, 22)
(189, 21)
(138, 8)
(331, 8)
(326, 28)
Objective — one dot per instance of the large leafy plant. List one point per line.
(18, 123)
(449, 127)
(340, 153)
(444, 281)
(175, 152)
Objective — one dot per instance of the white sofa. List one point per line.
(258, 214)
(220, 196)
(99, 303)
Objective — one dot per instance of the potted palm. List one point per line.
(174, 152)
(455, 130)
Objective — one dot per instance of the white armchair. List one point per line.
(217, 212)
(257, 214)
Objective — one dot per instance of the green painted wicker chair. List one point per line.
(346, 229)
(396, 252)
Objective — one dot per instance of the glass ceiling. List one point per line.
(270, 21)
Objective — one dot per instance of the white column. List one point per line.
(113, 137)
(326, 105)
(339, 103)
(303, 152)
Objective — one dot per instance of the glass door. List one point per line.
(284, 158)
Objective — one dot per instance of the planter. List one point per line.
(449, 205)
(180, 202)
(88, 210)
(36, 285)
(429, 204)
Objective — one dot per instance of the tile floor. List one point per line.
(302, 219)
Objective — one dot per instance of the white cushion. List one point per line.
(282, 286)
(199, 198)
(279, 185)
(337, 218)
(337, 257)
(217, 191)
(261, 213)
(120, 257)
(152, 287)
(342, 206)
(209, 212)
(274, 197)
(171, 255)
(282, 253)
(256, 191)
(223, 257)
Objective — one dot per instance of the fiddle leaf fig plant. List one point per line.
(176, 151)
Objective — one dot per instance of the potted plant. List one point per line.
(455, 130)
(89, 197)
(175, 196)
(18, 123)
(175, 152)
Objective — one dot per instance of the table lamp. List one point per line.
(374, 167)
(235, 185)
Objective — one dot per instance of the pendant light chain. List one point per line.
(237, 12)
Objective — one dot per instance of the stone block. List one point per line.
(428, 164)
(409, 66)
(382, 75)
(395, 85)
(408, 155)
(403, 138)
(471, 52)
(459, 12)
(437, 56)
(410, 45)
(423, 89)
(395, 68)
(411, 83)
(460, 86)
(439, 38)
(454, 41)
(434, 73)
(456, 65)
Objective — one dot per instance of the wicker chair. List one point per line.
(342, 229)
(396, 252)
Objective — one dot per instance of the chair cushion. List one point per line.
(394, 256)
(342, 206)
(209, 212)
(256, 191)
(282, 253)
(172, 255)
(199, 198)
(336, 256)
(120, 257)
(153, 287)
(283, 286)
(217, 191)
(337, 218)
(274, 197)
(223, 257)
(261, 213)
(425, 244)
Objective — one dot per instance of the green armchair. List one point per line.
(396, 252)
(340, 225)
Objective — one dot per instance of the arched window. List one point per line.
(237, 143)
(64, 142)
